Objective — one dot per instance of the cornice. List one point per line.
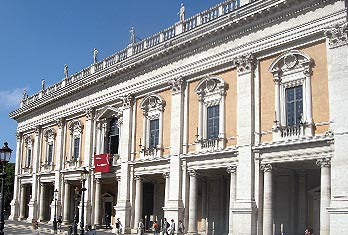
(244, 16)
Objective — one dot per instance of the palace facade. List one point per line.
(233, 120)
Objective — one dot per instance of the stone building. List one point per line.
(233, 120)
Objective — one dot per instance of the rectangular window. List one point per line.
(294, 105)
(49, 152)
(114, 137)
(76, 149)
(213, 122)
(154, 132)
(28, 163)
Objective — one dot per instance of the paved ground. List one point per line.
(23, 228)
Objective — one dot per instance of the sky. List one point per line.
(37, 37)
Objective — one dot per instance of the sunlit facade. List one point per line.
(232, 120)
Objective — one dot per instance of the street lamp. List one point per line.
(5, 155)
(55, 195)
(84, 175)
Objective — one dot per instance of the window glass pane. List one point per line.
(113, 138)
(76, 148)
(29, 157)
(213, 122)
(294, 105)
(50, 152)
(154, 132)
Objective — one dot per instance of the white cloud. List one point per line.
(10, 99)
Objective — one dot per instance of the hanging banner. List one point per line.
(102, 163)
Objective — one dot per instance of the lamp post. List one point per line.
(5, 155)
(76, 216)
(55, 195)
(84, 175)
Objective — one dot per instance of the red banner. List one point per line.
(102, 163)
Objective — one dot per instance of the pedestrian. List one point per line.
(308, 231)
(107, 220)
(181, 227)
(60, 223)
(165, 227)
(35, 225)
(141, 228)
(118, 226)
(172, 227)
(156, 229)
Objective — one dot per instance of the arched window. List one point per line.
(211, 93)
(292, 73)
(153, 108)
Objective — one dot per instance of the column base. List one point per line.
(338, 211)
(32, 211)
(123, 211)
(14, 210)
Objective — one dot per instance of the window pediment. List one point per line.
(50, 134)
(109, 112)
(152, 103)
(75, 126)
(211, 88)
(290, 61)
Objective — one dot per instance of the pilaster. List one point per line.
(244, 210)
(337, 54)
(14, 202)
(174, 207)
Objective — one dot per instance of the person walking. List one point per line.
(165, 227)
(118, 226)
(181, 227)
(141, 228)
(156, 229)
(172, 227)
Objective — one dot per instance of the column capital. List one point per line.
(138, 178)
(166, 175)
(232, 169)
(89, 113)
(18, 136)
(67, 182)
(245, 63)
(118, 178)
(60, 122)
(127, 101)
(324, 162)
(37, 130)
(192, 172)
(176, 84)
(266, 167)
(337, 35)
(98, 180)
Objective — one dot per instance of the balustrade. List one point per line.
(165, 35)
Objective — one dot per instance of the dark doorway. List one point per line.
(148, 197)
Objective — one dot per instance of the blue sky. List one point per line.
(37, 37)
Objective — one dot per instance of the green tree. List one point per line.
(9, 184)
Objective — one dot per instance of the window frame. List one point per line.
(76, 130)
(50, 136)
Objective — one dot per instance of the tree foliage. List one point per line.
(9, 184)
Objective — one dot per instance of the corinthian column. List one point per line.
(97, 215)
(325, 195)
(66, 202)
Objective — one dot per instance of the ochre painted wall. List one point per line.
(320, 95)
(192, 115)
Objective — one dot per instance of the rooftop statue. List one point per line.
(132, 35)
(25, 95)
(95, 53)
(43, 84)
(66, 71)
(181, 12)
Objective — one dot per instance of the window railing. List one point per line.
(47, 166)
(26, 170)
(73, 163)
(290, 131)
(210, 144)
(150, 152)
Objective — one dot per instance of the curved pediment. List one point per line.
(290, 60)
(152, 101)
(109, 111)
(211, 85)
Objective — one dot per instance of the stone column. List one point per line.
(14, 202)
(309, 116)
(192, 226)
(98, 203)
(23, 201)
(232, 170)
(337, 54)
(267, 200)
(59, 160)
(42, 208)
(66, 202)
(166, 192)
(245, 212)
(138, 200)
(325, 195)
